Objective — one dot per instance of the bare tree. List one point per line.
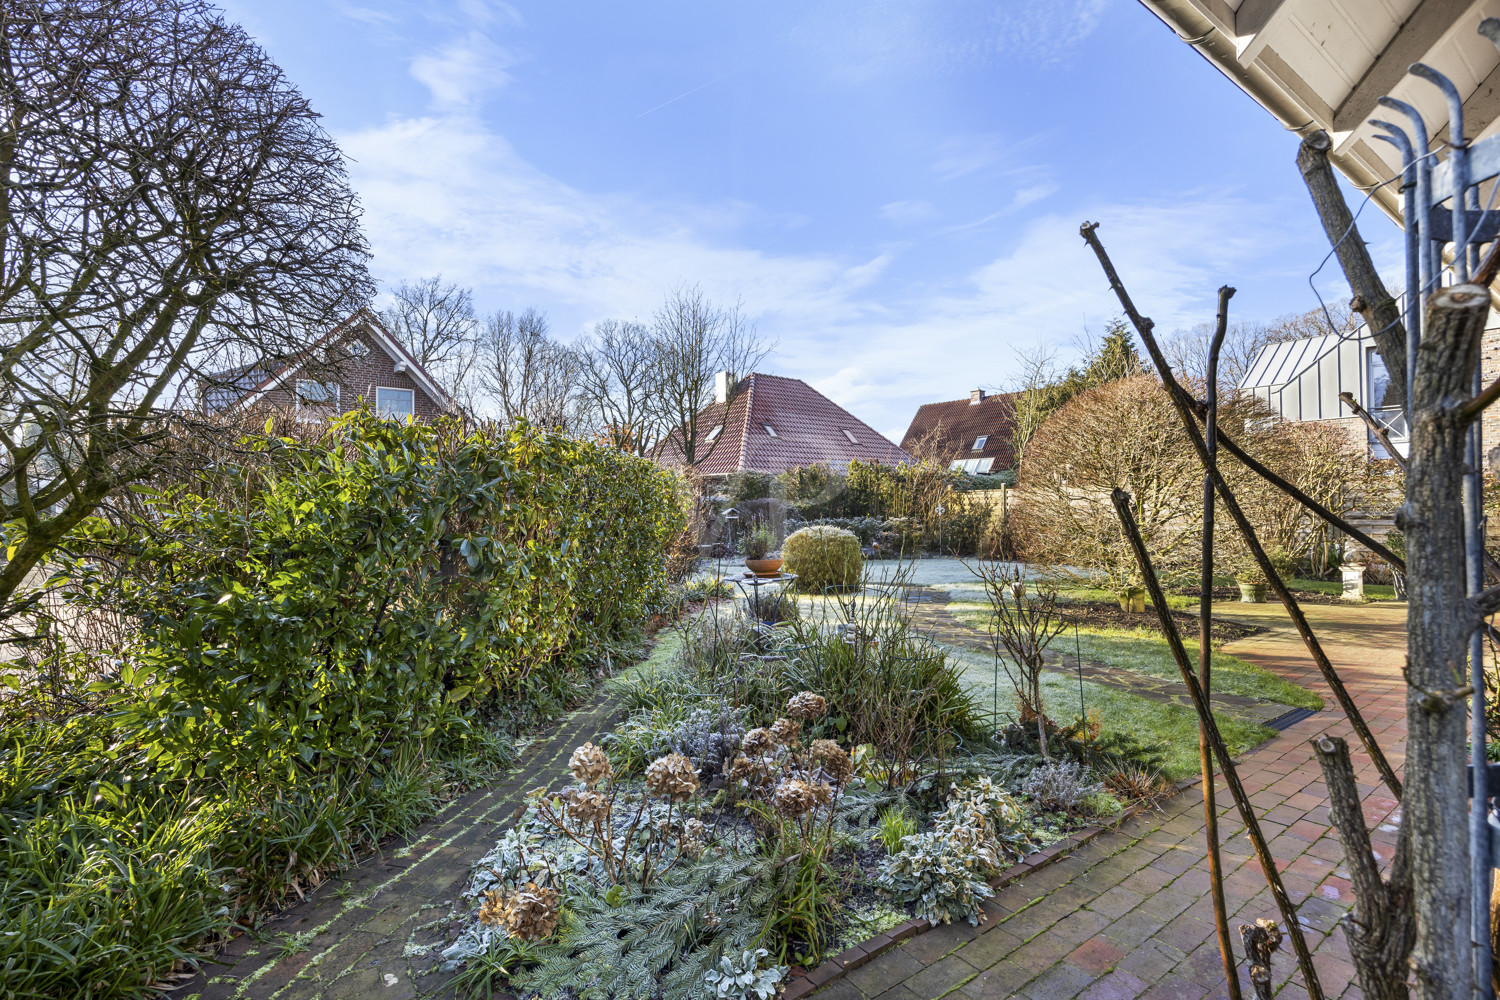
(436, 323)
(1029, 389)
(169, 207)
(618, 385)
(1025, 625)
(531, 376)
(695, 340)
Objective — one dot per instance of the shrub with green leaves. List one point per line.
(823, 557)
(326, 639)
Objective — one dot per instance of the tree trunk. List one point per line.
(1371, 300)
(1379, 928)
(1440, 621)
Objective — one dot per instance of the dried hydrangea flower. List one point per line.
(672, 777)
(590, 764)
(694, 829)
(756, 741)
(693, 847)
(586, 805)
(793, 797)
(806, 706)
(832, 759)
(531, 913)
(492, 910)
(784, 732)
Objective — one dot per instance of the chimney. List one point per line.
(722, 383)
(976, 397)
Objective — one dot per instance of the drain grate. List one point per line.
(1284, 722)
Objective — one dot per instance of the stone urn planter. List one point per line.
(1252, 593)
(1133, 599)
(764, 567)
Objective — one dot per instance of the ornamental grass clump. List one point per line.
(823, 557)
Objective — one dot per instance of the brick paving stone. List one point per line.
(1096, 956)
(941, 977)
(1061, 982)
(989, 948)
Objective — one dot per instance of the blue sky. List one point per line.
(892, 189)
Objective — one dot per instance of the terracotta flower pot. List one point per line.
(764, 567)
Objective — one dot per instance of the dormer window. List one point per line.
(770, 430)
(714, 434)
(979, 442)
(848, 434)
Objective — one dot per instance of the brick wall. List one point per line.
(358, 378)
(1489, 367)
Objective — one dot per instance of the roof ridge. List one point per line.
(745, 432)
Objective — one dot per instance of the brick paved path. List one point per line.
(1128, 914)
(371, 930)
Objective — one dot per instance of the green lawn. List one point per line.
(1145, 651)
(1173, 727)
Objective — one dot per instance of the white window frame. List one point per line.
(318, 411)
(770, 430)
(850, 435)
(713, 435)
(380, 412)
(980, 442)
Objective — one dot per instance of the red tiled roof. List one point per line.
(954, 426)
(809, 429)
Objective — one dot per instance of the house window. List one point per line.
(316, 400)
(980, 441)
(1380, 379)
(770, 430)
(851, 437)
(713, 434)
(396, 403)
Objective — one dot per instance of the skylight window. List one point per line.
(770, 430)
(850, 436)
(979, 442)
(713, 434)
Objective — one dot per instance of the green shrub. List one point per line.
(747, 485)
(823, 557)
(324, 642)
(813, 490)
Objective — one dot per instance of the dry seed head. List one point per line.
(672, 777)
(531, 913)
(586, 805)
(794, 797)
(806, 706)
(492, 910)
(756, 741)
(694, 829)
(784, 732)
(833, 759)
(590, 764)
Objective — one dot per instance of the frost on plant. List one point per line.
(946, 872)
(745, 980)
(1060, 787)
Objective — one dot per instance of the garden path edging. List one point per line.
(852, 958)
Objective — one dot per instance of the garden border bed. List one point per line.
(852, 958)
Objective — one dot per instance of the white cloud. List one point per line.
(446, 194)
(907, 212)
(462, 71)
(1032, 194)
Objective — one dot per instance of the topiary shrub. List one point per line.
(823, 556)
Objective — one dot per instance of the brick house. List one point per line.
(768, 423)
(357, 361)
(974, 435)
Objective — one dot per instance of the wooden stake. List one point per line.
(1185, 408)
(1121, 501)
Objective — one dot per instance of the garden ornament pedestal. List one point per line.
(756, 582)
(1133, 599)
(1253, 593)
(1354, 582)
